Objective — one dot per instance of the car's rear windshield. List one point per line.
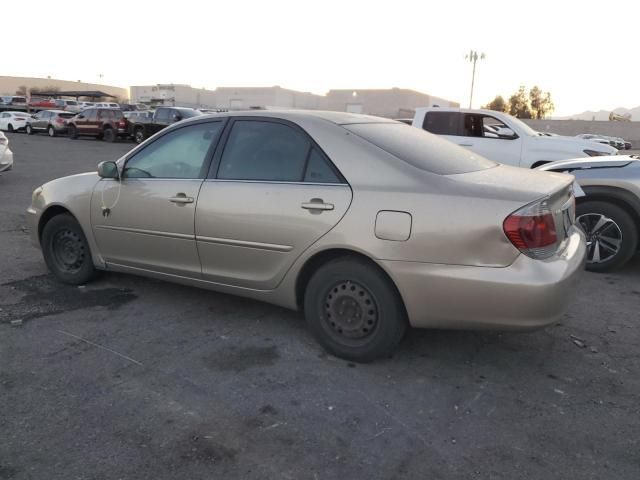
(188, 112)
(420, 148)
(71, 102)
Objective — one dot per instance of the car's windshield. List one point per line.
(421, 149)
(526, 129)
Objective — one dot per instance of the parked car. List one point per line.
(138, 115)
(609, 213)
(6, 155)
(37, 104)
(13, 121)
(106, 123)
(133, 107)
(51, 121)
(67, 105)
(85, 105)
(515, 144)
(594, 138)
(106, 105)
(14, 101)
(366, 224)
(142, 128)
(627, 145)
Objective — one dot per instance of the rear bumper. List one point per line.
(525, 295)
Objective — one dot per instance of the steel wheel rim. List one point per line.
(604, 237)
(68, 251)
(349, 312)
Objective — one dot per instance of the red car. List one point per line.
(42, 103)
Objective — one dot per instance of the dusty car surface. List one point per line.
(609, 213)
(366, 224)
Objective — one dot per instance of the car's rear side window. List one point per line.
(270, 151)
(442, 123)
(421, 149)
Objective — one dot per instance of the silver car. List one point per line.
(366, 224)
(609, 213)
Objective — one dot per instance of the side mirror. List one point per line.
(507, 133)
(108, 170)
(177, 117)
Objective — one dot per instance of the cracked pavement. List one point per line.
(130, 378)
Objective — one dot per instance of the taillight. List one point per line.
(59, 120)
(532, 230)
(122, 123)
(3, 140)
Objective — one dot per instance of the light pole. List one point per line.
(473, 57)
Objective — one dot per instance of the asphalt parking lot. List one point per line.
(130, 378)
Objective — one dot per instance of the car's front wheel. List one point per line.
(73, 132)
(66, 251)
(29, 130)
(10, 128)
(354, 310)
(51, 131)
(612, 234)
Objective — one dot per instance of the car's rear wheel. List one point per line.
(73, 132)
(51, 131)
(29, 130)
(612, 235)
(66, 251)
(109, 135)
(10, 128)
(139, 135)
(354, 310)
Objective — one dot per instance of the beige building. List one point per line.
(391, 102)
(11, 85)
(177, 95)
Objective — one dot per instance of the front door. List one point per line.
(150, 221)
(84, 122)
(485, 135)
(273, 195)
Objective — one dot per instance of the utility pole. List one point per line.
(473, 56)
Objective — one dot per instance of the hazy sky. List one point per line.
(584, 52)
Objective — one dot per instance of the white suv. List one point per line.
(503, 138)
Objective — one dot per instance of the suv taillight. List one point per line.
(122, 123)
(532, 230)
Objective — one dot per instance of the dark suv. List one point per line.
(106, 123)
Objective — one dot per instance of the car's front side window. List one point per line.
(442, 123)
(181, 153)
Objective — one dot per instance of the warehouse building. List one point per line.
(23, 85)
(391, 103)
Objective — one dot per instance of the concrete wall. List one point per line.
(241, 98)
(174, 95)
(392, 103)
(9, 85)
(628, 130)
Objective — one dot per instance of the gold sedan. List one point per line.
(366, 224)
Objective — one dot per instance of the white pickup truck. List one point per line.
(503, 138)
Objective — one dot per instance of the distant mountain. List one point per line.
(603, 114)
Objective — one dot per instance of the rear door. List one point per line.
(270, 195)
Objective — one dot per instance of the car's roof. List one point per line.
(339, 118)
(461, 110)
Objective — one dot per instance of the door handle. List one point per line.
(317, 204)
(181, 198)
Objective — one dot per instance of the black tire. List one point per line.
(51, 131)
(10, 128)
(354, 310)
(139, 135)
(618, 230)
(66, 251)
(29, 130)
(72, 131)
(108, 135)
